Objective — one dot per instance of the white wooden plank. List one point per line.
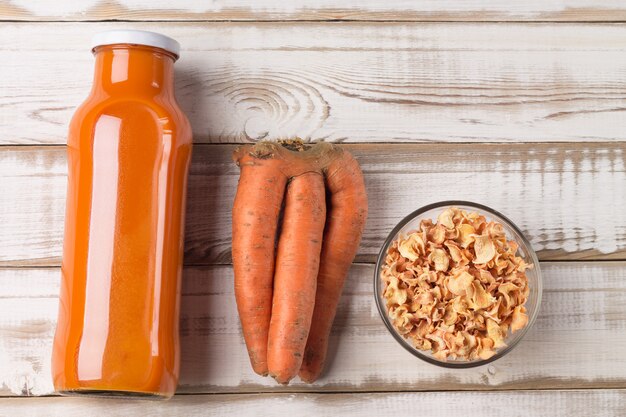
(574, 343)
(606, 403)
(567, 199)
(355, 82)
(405, 10)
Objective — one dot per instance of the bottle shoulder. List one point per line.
(162, 115)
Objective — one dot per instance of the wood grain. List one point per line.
(352, 82)
(573, 344)
(567, 199)
(606, 403)
(403, 10)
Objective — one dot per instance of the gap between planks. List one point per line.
(344, 392)
(296, 21)
(60, 144)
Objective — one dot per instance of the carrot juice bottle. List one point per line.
(129, 148)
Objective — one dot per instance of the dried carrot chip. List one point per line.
(484, 248)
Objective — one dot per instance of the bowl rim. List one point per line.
(385, 316)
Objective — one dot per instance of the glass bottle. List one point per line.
(129, 149)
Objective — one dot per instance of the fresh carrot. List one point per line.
(255, 220)
(344, 227)
(297, 266)
(286, 327)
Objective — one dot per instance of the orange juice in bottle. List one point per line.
(129, 149)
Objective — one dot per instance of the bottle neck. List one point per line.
(135, 70)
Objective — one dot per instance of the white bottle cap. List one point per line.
(136, 37)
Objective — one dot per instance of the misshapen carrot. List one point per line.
(255, 220)
(297, 265)
(265, 168)
(346, 220)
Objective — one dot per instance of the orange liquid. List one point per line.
(129, 149)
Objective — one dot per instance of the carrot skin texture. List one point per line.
(297, 266)
(344, 227)
(255, 220)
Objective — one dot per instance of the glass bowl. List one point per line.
(432, 211)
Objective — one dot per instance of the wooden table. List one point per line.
(517, 105)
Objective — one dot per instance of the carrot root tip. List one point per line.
(308, 377)
(277, 379)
